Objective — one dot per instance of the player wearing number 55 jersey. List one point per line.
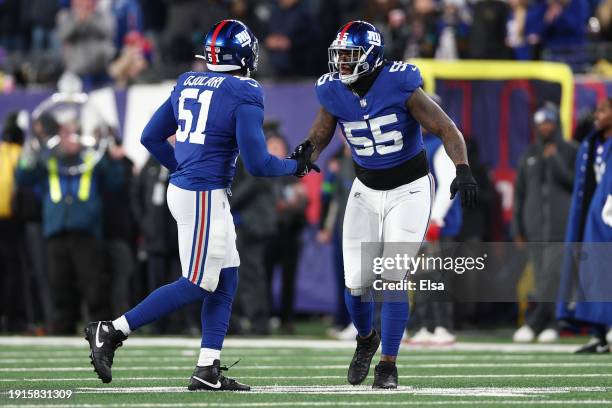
(215, 115)
(380, 108)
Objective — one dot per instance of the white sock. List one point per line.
(207, 356)
(122, 324)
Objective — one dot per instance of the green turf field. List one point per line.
(309, 373)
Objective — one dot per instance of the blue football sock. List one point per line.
(163, 301)
(394, 318)
(361, 310)
(217, 309)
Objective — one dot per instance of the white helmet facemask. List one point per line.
(337, 57)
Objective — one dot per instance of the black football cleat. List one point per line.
(360, 365)
(594, 346)
(385, 375)
(209, 378)
(103, 340)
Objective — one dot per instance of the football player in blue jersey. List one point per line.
(380, 108)
(215, 115)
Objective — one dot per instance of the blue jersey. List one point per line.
(378, 127)
(205, 106)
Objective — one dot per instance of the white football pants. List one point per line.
(377, 217)
(206, 234)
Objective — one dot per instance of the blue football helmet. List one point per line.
(229, 46)
(357, 51)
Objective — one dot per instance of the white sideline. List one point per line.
(314, 367)
(316, 377)
(362, 390)
(282, 343)
(334, 403)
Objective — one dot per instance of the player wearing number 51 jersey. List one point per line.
(380, 108)
(215, 115)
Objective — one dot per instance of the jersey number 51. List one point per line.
(198, 135)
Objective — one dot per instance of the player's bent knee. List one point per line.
(210, 284)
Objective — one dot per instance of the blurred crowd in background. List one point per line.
(89, 244)
(126, 41)
(68, 235)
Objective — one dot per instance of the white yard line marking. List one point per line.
(334, 403)
(281, 343)
(271, 358)
(319, 367)
(364, 390)
(316, 377)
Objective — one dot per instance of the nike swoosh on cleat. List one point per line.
(217, 385)
(98, 343)
(601, 349)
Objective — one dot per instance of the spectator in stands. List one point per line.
(119, 231)
(283, 248)
(292, 39)
(132, 61)
(182, 35)
(477, 222)
(423, 21)
(554, 24)
(72, 225)
(541, 205)
(128, 20)
(336, 189)
(516, 37)
(487, 39)
(40, 15)
(253, 208)
(604, 16)
(12, 35)
(86, 34)
(390, 18)
(12, 310)
(453, 30)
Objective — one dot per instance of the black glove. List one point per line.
(301, 155)
(466, 185)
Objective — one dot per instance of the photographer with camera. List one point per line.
(71, 174)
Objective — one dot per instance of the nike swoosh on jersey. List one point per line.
(217, 385)
(98, 343)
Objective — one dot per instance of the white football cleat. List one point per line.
(349, 333)
(442, 337)
(548, 336)
(523, 335)
(421, 337)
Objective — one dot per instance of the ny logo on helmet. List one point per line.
(374, 38)
(244, 38)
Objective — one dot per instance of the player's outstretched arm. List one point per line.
(321, 132)
(252, 144)
(433, 118)
(155, 135)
